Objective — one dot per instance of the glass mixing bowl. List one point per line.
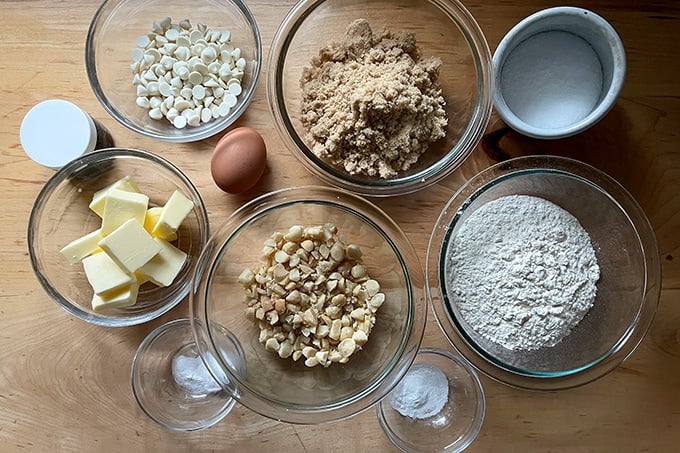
(442, 28)
(113, 34)
(170, 387)
(626, 251)
(60, 214)
(283, 389)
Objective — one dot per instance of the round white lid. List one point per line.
(56, 131)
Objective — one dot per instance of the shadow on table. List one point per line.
(615, 145)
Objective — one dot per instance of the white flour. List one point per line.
(422, 393)
(522, 271)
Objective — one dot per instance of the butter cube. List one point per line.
(121, 206)
(130, 246)
(120, 298)
(151, 220)
(164, 267)
(84, 246)
(104, 274)
(174, 212)
(99, 197)
(141, 278)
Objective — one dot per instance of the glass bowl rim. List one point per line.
(470, 30)
(489, 365)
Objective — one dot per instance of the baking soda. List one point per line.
(422, 393)
(552, 80)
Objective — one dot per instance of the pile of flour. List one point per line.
(522, 272)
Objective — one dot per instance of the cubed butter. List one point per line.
(130, 245)
(120, 298)
(84, 246)
(174, 212)
(104, 274)
(151, 219)
(164, 267)
(121, 206)
(99, 197)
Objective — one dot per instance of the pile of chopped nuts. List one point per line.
(311, 296)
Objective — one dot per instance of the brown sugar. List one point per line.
(371, 104)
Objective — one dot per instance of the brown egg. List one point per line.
(238, 160)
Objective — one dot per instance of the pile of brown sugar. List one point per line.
(370, 103)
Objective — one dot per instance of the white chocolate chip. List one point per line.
(156, 113)
(179, 122)
(234, 89)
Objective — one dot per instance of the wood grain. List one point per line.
(64, 384)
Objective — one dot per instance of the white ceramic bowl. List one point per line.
(558, 72)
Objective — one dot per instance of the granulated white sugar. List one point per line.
(552, 79)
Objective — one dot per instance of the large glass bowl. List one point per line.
(442, 28)
(112, 36)
(281, 388)
(60, 214)
(626, 251)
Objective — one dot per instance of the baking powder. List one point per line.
(522, 272)
(190, 373)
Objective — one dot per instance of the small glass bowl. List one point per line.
(179, 397)
(287, 390)
(442, 28)
(60, 214)
(626, 251)
(456, 425)
(112, 36)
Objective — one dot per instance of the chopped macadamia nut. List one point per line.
(311, 296)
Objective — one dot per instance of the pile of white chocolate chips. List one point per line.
(311, 296)
(188, 75)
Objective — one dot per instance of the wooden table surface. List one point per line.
(64, 384)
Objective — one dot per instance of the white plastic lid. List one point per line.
(54, 132)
